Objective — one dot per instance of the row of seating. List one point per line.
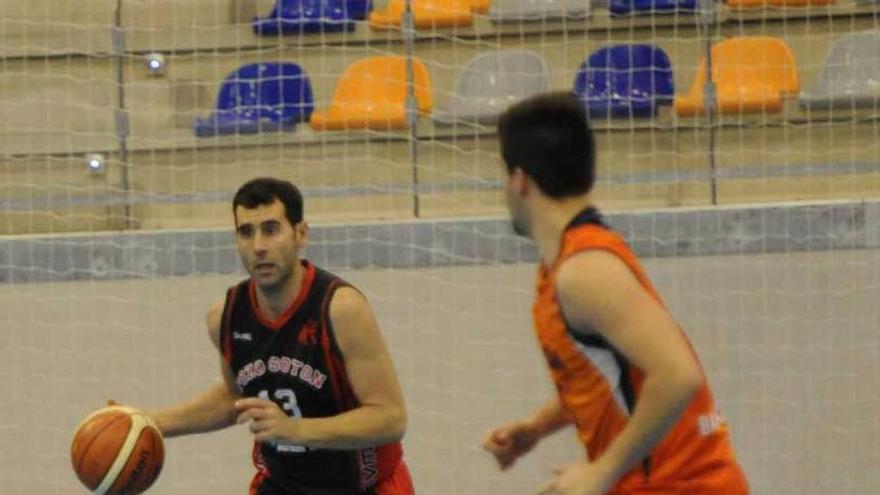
(311, 16)
(751, 75)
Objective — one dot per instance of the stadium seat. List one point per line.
(480, 6)
(745, 4)
(263, 97)
(307, 16)
(359, 9)
(371, 94)
(851, 75)
(751, 74)
(624, 7)
(625, 81)
(538, 10)
(426, 14)
(491, 82)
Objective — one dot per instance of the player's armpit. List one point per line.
(600, 294)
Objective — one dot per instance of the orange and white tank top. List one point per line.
(599, 389)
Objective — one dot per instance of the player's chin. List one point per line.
(265, 279)
(266, 282)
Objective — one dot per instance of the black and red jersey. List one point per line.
(295, 361)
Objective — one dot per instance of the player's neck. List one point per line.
(274, 302)
(550, 222)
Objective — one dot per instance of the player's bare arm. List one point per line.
(381, 416)
(599, 293)
(213, 409)
(511, 441)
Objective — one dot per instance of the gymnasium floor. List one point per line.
(789, 341)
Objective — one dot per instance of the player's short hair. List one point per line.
(548, 137)
(264, 191)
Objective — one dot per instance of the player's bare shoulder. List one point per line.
(354, 323)
(594, 271)
(347, 301)
(347, 306)
(594, 286)
(213, 320)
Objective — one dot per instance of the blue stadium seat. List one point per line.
(311, 16)
(359, 9)
(625, 81)
(624, 7)
(263, 97)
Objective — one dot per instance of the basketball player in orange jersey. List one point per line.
(626, 375)
(303, 364)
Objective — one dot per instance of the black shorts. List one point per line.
(399, 483)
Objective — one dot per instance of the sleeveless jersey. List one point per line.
(599, 389)
(295, 362)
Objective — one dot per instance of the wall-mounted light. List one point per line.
(96, 164)
(155, 63)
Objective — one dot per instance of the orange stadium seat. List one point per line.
(751, 74)
(371, 94)
(480, 6)
(427, 13)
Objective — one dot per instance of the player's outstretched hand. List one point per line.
(579, 478)
(508, 442)
(267, 421)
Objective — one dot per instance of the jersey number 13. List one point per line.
(287, 400)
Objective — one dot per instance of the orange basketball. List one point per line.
(117, 451)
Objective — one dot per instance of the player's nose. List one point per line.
(260, 244)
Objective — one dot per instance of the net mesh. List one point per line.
(116, 212)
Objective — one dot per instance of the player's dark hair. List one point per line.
(549, 138)
(264, 191)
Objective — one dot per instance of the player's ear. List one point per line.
(519, 181)
(302, 234)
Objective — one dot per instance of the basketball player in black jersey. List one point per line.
(304, 365)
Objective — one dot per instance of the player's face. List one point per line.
(513, 194)
(268, 244)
